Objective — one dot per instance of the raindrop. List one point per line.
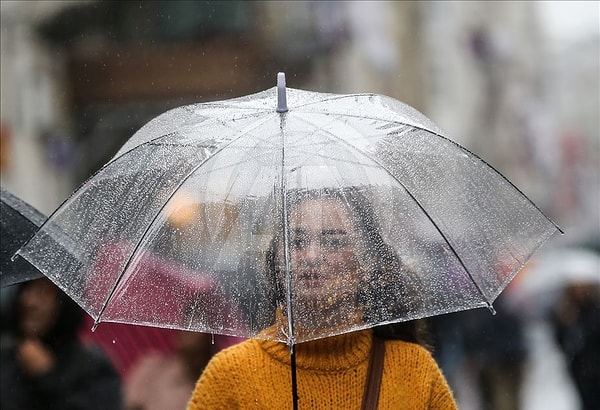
(114, 341)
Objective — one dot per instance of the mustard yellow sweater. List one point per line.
(331, 374)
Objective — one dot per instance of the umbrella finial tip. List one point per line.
(281, 93)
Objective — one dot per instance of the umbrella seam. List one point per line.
(437, 227)
(286, 250)
(473, 155)
(150, 225)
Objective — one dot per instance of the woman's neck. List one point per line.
(312, 322)
(326, 354)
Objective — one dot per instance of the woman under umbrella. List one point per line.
(334, 249)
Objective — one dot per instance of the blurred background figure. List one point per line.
(488, 353)
(163, 381)
(44, 365)
(496, 355)
(125, 344)
(576, 325)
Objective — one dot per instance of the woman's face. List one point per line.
(324, 252)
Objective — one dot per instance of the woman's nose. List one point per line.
(312, 254)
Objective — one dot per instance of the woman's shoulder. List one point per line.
(412, 347)
(409, 352)
(240, 352)
(230, 364)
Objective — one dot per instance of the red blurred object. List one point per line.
(126, 343)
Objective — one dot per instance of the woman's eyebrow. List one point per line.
(333, 232)
(299, 230)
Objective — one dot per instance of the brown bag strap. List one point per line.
(374, 373)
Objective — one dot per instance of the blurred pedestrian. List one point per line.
(576, 323)
(495, 352)
(44, 365)
(163, 381)
(446, 334)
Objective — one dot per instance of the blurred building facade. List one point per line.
(80, 77)
(31, 105)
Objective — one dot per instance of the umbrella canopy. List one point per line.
(18, 222)
(222, 188)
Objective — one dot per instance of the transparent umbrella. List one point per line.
(217, 187)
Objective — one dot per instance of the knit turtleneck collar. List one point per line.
(329, 354)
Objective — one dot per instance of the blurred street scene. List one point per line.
(517, 83)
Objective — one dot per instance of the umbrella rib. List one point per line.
(101, 169)
(257, 112)
(286, 250)
(288, 274)
(366, 117)
(333, 97)
(412, 196)
(472, 154)
(308, 150)
(154, 218)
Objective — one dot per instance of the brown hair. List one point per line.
(383, 299)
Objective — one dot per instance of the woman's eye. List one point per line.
(298, 242)
(334, 243)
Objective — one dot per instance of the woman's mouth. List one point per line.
(312, 279)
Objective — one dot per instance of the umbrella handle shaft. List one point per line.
(294, 380)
